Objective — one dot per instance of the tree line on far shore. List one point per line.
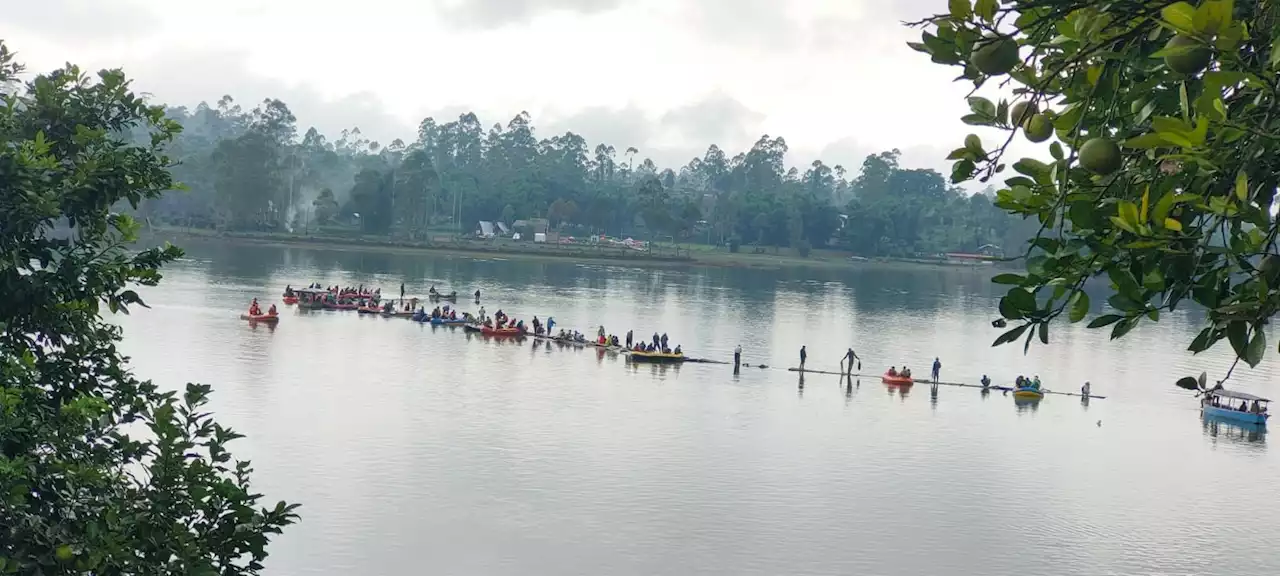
(250, 170)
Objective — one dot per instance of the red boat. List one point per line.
(896, 379)
(290, 299)
(487, 331)
(265, 318)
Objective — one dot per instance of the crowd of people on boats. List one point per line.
(1024, 383)
(659, 344)
(500, 321)
(1255, 407)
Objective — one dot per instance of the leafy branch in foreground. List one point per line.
(1163, 170)
(79, 493)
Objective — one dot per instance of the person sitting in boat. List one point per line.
(678, 351)
(986, 382)
(906, 372)
(288, 290)
(272, 310)
(893, 371)
(1035, 383)
(254, 310)
(1017, 382)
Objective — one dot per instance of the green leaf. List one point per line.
(1238, 335)
(1014, 279)
(1171, 224)
(982, 106)
(960, 9)
(1275, 53)
(1105, 320)
(1021, 300)
(1187, 383)
(1031, 167)
(1044, 332)
(1242, 186)
(1078, 306)
(1123, 327)
(962, 170)
(1129, 213)
(1011, 335)
(976, 120)
(1162, 207)
(1146, 141)
(1124, 282)
(1123, 225)
(1008, 310)
(1203, 340)
(1153, 281)
(1257, 347)
(1122, 302)
(1180, 15)
(1167, 125)
(986, 9)
(1146, 204)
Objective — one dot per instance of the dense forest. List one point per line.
(250, 170)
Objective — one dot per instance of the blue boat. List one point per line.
(1221, 404)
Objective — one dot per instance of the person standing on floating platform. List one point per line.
(737, 356)
(849, 356)
(629, 342)
(803, 356)
(937, 368)
(1084, 390)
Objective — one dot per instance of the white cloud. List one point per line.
(670, 77)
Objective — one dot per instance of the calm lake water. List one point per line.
(416, 450)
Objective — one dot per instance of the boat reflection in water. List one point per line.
(1220, 428)
(1026, 404)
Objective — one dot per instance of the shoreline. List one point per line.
(686, 258)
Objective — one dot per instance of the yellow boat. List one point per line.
(656, 357)
(1028, 394)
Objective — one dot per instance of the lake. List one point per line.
(420, 450)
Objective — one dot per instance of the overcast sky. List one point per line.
(833, 77)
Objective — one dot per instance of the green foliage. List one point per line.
(79, 492)
(1185, 211)
(247, 170)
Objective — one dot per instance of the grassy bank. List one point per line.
(661, 256)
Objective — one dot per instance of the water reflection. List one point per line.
(1232, 431)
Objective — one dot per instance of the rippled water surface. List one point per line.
(416, 450)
